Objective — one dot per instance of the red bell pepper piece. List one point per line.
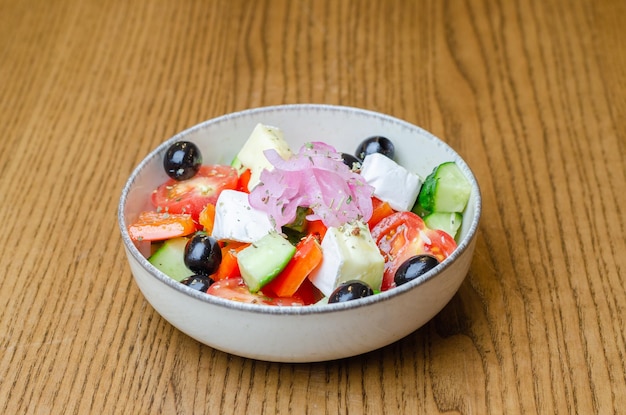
(316, 227)
(244, 179)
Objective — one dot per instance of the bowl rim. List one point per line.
(161, 277)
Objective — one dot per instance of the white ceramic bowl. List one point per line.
(310, 333)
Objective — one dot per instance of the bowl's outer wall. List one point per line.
(305, 337)
(294, 336)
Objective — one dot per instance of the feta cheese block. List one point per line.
(392, 183)
(236, 220)
(350, 253)
(263, 137)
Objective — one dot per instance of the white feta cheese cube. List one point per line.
(263, 137)
(350, 253)
(236, 220)
(392, 183)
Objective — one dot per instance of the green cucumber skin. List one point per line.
(236, 164)
(444, 190)
(262, 261)
(170, 259)
(449, 222)
(425, 198)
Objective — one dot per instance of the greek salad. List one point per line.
(282, 226)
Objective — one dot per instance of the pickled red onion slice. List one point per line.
(316, 178)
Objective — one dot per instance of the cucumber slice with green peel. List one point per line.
(170, 259)
(449, 222)
(237, 165)
(295, 230)
(263, 260)
(446, 189)
(300, 222)
(419, 210)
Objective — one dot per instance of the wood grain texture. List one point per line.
(531, 94)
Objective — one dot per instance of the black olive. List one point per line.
(182, 160)
(350, 290)
(352, 162)
(376, 144)
(414, 267)
(198, 282)
(203, 254)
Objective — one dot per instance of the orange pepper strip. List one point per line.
(229, 268)
(207, 218)
(158, 226)
(307, 257)
(380, 210)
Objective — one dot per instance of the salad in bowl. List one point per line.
(299, 218)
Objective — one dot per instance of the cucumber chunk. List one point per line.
(263, 260)
(170, 259)
(446, 189)
(296, 230)
(449, 222)
(237, 165)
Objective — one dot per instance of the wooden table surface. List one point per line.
(531, 93)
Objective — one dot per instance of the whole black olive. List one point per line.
(198, 282)
(350, 290)
(376, 144)
(182, 160)
(414, 267)
(352, 162)
(203, 254)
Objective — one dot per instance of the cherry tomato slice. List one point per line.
(192, 195)
(402, 235)
(394, 236)
(236, 289)
(437, 243)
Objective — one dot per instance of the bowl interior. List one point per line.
(343, 127)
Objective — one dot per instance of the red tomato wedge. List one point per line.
(155, 226)
(192, 195)
(437, 243)
(307, 257)
(308, 292)
(402, 235)
(236, 289)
